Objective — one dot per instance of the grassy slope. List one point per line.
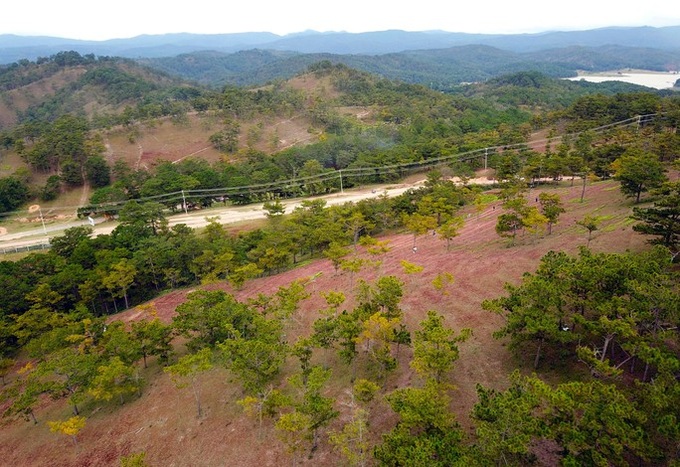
(163, 421)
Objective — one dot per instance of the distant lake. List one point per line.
(652, 79)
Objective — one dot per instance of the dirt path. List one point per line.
(84, 195)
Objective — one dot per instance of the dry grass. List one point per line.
(163, 421)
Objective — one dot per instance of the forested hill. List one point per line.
(437, 68)
(436, 59)
(79, 84)
(109, 90)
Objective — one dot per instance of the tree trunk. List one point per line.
(315, 442)
(198, 399)
(538, 353)
(607, 340)
(583, 191)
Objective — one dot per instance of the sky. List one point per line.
(85, 19)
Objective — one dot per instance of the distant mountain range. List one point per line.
(14, 48)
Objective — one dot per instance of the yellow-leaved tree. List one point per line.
(70, 427)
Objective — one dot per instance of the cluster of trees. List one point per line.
(662, 220)
(613, 314)
(608, 313)
(81, 357)
(318, 168)
(25, 72)
(13, 193)
(67, 149)
(142, 256)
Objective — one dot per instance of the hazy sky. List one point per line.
(81, 19)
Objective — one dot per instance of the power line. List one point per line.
(350, 172)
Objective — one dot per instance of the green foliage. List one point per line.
(551, 208)
(411, 268)
(595, 424)
(139, 220)
(69, 372)
(117, 342)
(364, 390)
(507, 423)
(268, 403)
(187, 370)
(315, 411)
(441, 281)
(242, 273)
(119, 279)
(51, 189)
(257, 359)
(662, 220)
(418, 224)
(352, 441)
(384, 296)
(97, 171)
(592, 423)
(23, 394)
(426, 434)
(591, 224)
(638, 171)
(599, 300)
(335, 253)
(210, 317)
(153, 338)
(376, 335)
(508, 224)
(292, 430)
(115, 379)
(450, 229)
(435, 347)
(13, 193)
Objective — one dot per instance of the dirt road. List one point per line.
(10, 241)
